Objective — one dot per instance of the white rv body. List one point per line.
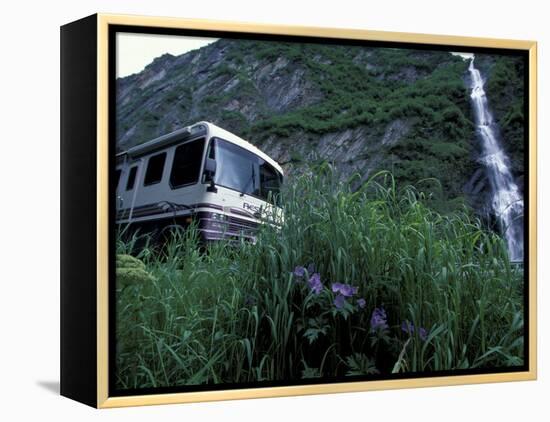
(164, 182)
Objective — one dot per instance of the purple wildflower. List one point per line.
(423, 334)
(344, 289)
(348, 290)
(299, 271)
(315, 284)
(378, 320)
(339, 301)
(361, 303)
(407, 327)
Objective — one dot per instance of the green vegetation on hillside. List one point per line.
(442, 140)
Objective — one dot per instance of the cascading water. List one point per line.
(507, 201)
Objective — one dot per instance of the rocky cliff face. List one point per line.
(361, 108)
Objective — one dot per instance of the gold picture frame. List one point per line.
(98, 26)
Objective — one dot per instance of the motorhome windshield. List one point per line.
(243, 171)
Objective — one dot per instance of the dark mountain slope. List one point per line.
(362, 108)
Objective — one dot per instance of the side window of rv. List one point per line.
(155, 167)
(131, 178)
(187, 164)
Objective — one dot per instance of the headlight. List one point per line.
(218, 217)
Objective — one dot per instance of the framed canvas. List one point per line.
(258, 210)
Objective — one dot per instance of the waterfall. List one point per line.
(507, 201)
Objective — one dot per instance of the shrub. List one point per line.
(356, 283)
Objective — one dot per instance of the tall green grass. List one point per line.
(238, 313)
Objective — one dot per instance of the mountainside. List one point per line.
(362, 108)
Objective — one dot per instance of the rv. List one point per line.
(202, 174)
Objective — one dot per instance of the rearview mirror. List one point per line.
(209, 172)
(210, 166)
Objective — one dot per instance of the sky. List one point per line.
(135, 51)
